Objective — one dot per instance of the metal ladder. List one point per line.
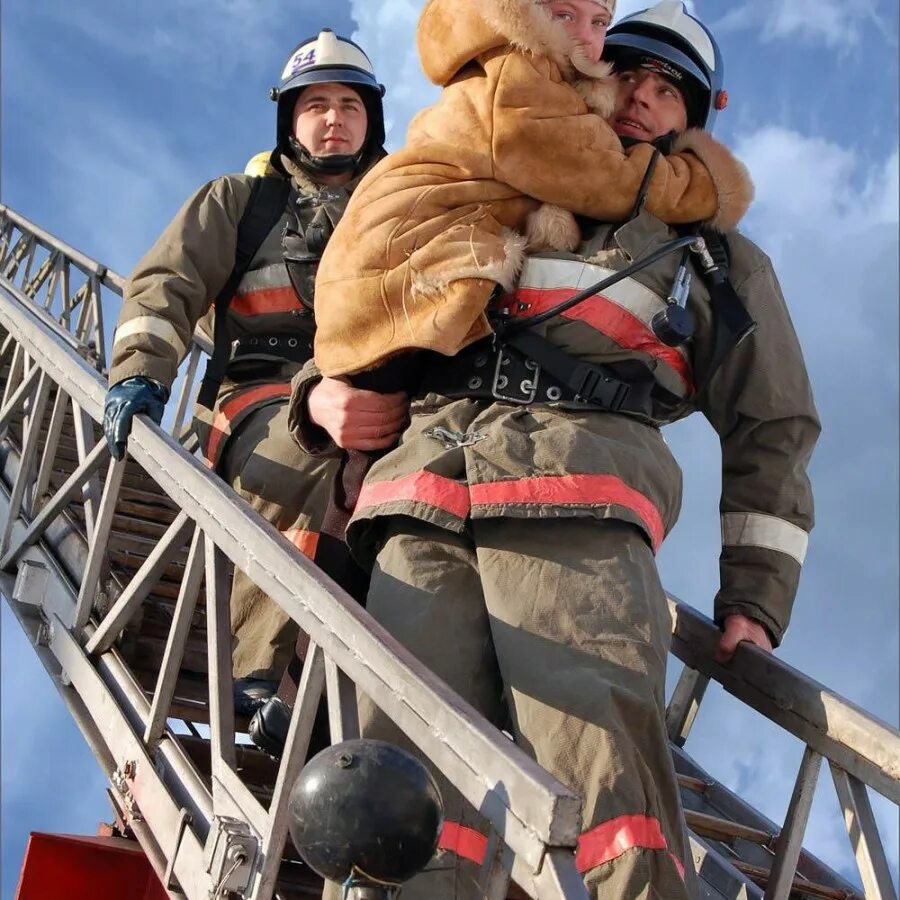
(119, 572)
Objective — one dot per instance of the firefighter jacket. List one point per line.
(520, 122)
(175, 285)
(463, 458)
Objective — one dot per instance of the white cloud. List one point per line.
(838, 24)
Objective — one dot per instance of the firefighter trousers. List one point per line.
(563, 628)
(291, 490)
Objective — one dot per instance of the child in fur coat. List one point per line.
(518, 133)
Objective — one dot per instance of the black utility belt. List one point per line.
(292, 347)
(498, 371)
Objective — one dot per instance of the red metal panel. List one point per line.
(86, 868)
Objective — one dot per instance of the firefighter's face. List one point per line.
(585, 21)
(330, 120)
(648, 106)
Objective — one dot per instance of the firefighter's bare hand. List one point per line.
(357, 419)
(740, 628)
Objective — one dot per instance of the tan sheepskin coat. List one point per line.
(433, 228)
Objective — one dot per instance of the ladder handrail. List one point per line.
(861, 743)
(86, 264)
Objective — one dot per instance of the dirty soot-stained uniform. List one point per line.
(513, 546)
(245, 436)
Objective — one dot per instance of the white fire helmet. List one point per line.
(669, 34)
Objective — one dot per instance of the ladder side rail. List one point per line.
(862, 829)
(482, 762)
(838, 729)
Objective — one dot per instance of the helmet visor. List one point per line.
(337, 75)
(625, 42)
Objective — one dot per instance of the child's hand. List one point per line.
(357, 419)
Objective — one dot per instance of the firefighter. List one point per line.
(513, 531)
(243, 252)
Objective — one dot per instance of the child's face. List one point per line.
(586, 22)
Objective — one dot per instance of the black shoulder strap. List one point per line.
(732, 322)
(265, 206)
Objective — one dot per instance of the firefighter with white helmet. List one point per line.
(513, 532)
(241, 256)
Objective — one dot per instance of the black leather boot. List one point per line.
(269, 726)
(251, 693)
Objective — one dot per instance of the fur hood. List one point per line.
(453, 33)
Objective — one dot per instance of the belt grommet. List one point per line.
(531, 364)
(273, 341)
(292, 342)
(502, 382)
(481, 361)
(505, 360)
(554, 393)
(474, 383)
(253, 342)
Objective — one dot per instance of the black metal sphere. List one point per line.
(365, 807)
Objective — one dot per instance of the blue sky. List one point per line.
(113, 113)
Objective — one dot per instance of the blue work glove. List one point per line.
(124, 401)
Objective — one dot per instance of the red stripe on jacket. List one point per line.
(608, 318)
(233, 407)
(609, 840)
(567, 490)
(306, 542)
(419, 487)
(466, 843)
(603, 844)
(265, 300)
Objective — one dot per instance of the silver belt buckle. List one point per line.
(527, 387)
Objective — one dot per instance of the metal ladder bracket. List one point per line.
(30, 587)
(233, 851)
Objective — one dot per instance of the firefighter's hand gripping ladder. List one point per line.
(94, 552)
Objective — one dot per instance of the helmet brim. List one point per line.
(628, 42)
(336, 75)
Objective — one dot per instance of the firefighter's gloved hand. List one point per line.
(124, 401)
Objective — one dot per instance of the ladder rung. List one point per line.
(761, 876)
(726, 830)
(697, 785)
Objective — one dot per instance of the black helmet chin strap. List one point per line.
(336, 164)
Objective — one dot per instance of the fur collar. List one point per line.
(452, 33)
